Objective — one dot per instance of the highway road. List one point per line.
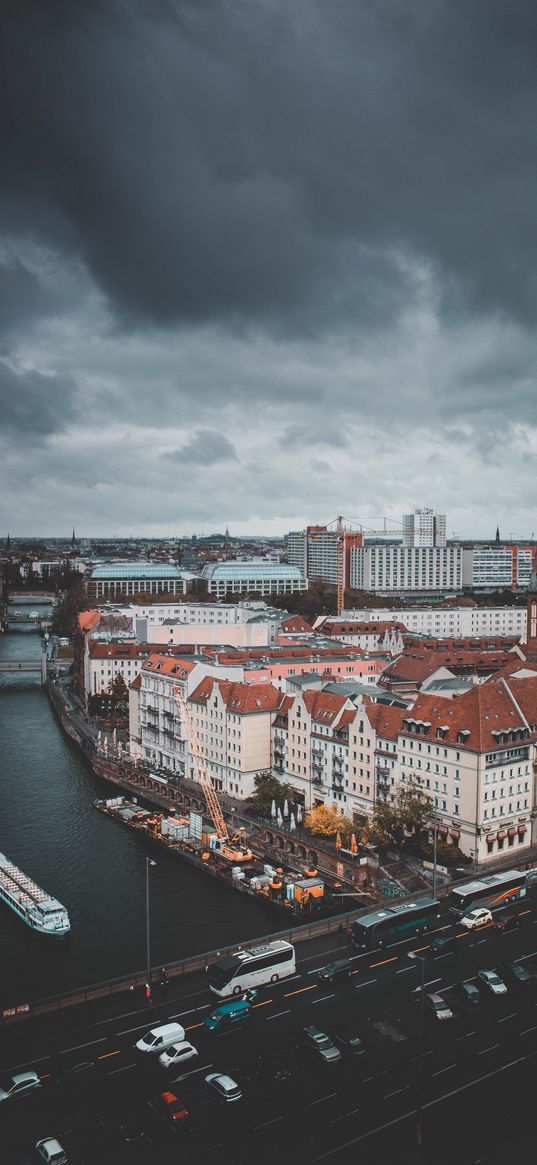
(473, 1078)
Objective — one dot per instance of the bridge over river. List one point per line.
(39, 664)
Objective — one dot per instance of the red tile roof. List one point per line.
(323, 707)
(242, 699)
(486, 710)
(137, 683)
(169, 666)
(87, 620)
(385, 719)
(296, 623)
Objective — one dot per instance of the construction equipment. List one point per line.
(340, 563)
(231, 847)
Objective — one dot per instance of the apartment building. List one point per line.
(233, 726)
(424, 528)
(444, 622)
(498, 565)
(385, 637)
(390, 567)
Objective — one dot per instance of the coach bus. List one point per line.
(399, 922)
(493, 892)
(242, 970)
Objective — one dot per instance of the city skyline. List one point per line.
(263, 266)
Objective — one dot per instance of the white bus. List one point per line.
(241, 970)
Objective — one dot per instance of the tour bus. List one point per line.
(399, 922)
(492, 892)
(241, 970)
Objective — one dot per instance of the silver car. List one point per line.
(51, 1151)
(492, 982)
(19, 1085)
(226, 1088)
(322, 1044)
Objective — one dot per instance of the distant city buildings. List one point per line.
(254, 576)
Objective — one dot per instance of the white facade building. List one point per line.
(391, 567)
(424, 528)
(448, 622)
(254, 575)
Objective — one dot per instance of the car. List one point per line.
(350, 1043)
(468, 993)
(438, 1006)
(507, 921)
(491, 980)
(340, 969)
(177, 1054)
(226, 1088)
(517, 974)
(19, 1085)
(443, 945)
(322, 1044)
(131, 1129)
(161, 1037)
(476, 918)
(73, 1073)
(170, 1108)
(50, 1150)
(228, 1015)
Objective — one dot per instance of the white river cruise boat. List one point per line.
(36, 908)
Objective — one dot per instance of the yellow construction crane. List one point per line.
(232, 848)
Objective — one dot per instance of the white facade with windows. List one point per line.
(405, 568)
(253, 576)
(447, 622)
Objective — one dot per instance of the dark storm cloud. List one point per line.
(205, 447)
(279, 163)
(32, 404)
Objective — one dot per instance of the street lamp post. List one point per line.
(435, 844)
(148, 862)
(419, 1104)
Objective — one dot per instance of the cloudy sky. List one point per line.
(265, 262)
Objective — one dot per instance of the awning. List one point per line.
(501, 834)
(522, 829)
(511, 832)
(455, 833)
(491, 837)
(443, 829)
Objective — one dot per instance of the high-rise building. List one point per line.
(424, 528)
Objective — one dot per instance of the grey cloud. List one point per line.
(33, 404)
(278, 164)
(205, 447)
(304, 435)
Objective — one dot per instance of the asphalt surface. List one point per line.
(473, 1078)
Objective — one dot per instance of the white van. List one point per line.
(161, 1037)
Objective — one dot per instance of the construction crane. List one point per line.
(340, 565)
(232, 848)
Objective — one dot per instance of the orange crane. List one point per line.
(340, 564)
(232, 848)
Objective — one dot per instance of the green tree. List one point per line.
(394, 823)
(267, 790)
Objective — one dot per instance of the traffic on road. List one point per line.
(356, 1050)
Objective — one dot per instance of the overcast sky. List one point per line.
(264, 262)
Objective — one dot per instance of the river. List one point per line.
(49, 828)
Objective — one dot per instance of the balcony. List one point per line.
(316, 750)
(279, 741)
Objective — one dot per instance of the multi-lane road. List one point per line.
(472, 1077)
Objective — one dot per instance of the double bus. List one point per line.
(399, 922)
(493, 892)
(242, 970)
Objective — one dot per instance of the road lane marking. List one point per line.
(126, 1068)
(323, 1098)
(344, 1115)
(278, 1013)
(264, 1003)
(368, 1078)
(193, 1027)
(366, 984)
(107, 1055)
(506, 1017)
(90, 1045)
(393, 959)
(404, 970)
(466, 1037)
(528, 1029)
(299, 991)
(274, 1121)
(530, 956)
(441, 1070)
(429, 983)
(141, 1027)
(396, 1093)
(323, 997)
(491, 1049)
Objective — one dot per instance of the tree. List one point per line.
(65, 613)
(394, 823)
(327, 821)
(267, 790)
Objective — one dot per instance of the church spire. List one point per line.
(73, 539)
(497, 533)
